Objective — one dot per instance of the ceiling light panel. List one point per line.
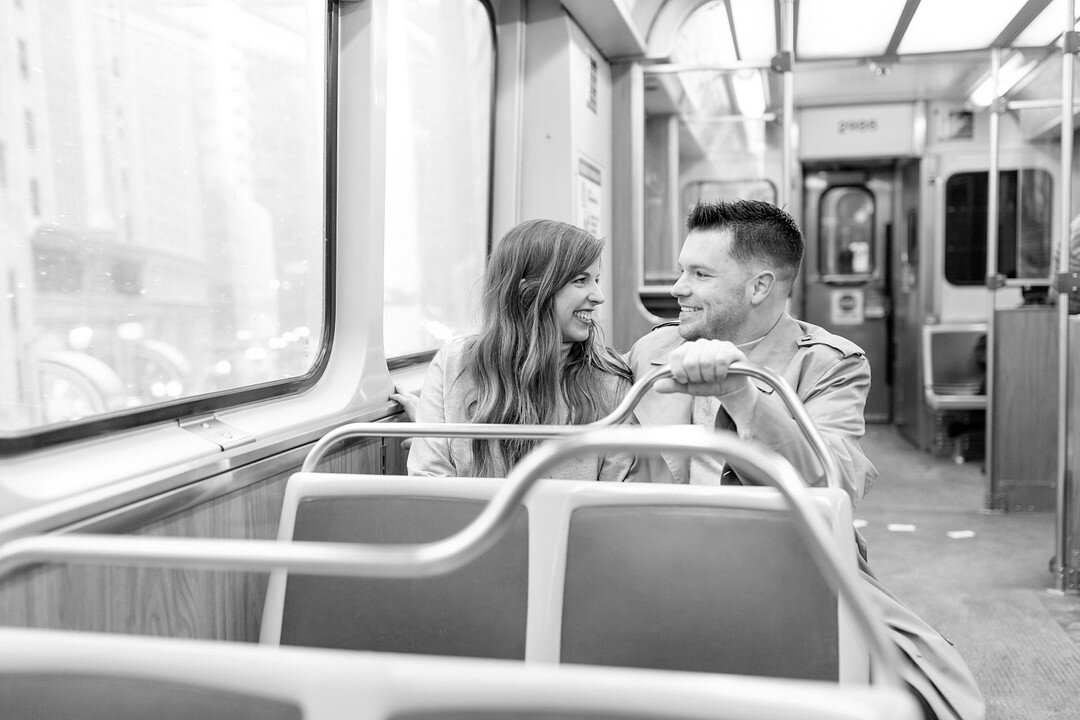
(945, 25)
(755, 30)
(822, 26)
(1044, 29)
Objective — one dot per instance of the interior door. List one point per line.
(848, 225)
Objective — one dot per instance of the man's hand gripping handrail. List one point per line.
(619, 415)
(442, 556)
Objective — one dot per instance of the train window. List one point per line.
(1024, 222)
(162, 231)
(846, 227)
(440, 108)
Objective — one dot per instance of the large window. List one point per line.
(439, 124)
(162, 232)
(1024, 217)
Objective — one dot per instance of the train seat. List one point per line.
(727, 589)
(954, 366)
(47, 674)
(650, 576)
(476, 611)
(954, 386)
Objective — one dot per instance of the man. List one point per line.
(737, 267)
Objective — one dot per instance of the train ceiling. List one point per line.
(894, 49)
(845, 51)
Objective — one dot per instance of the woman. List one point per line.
(537, 359)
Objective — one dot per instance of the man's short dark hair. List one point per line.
(760, 231)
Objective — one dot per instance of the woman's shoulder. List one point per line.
(450, 359)
(454, 348)
(615, 378)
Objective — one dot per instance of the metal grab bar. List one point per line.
(442, 556)
(618, 416)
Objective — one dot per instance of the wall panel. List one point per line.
(1025, 409)
(177, 603)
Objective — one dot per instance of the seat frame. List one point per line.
(333, 684)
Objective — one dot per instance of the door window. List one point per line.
(846, 229)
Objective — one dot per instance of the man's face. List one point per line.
(712, 289)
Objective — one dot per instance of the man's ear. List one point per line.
(762, 286)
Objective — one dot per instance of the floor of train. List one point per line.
(981, 578)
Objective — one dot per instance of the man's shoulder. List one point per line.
(658, 342)
(817, 338)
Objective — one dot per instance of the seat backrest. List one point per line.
(43, 674)
(710, 579)
(704, 579)
(96, 695)
(729, 590)
(477, 611)
(954, 358)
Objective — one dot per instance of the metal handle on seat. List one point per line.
(619, 415)
(442, 556)
(799, 414)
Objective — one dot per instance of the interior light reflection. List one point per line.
(749, 93)
(1016, 67)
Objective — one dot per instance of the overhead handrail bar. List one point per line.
(618, 416)
(448, 554)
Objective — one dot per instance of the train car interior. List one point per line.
(231, 229)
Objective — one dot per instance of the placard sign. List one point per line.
(860, 131)
(590, 197)
(846, 306)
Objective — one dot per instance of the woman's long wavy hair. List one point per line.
(515, 361)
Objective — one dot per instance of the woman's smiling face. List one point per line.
(575, 302)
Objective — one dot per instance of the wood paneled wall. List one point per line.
(1025, 409)
(179, 603)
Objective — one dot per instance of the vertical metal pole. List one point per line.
(676, 213)
(992, 263)
(787, 49)
(1068, 51)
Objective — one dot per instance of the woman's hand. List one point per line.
(409, 402)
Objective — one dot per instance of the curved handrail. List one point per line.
(798, 412)
(442, 556)
(617, 416)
